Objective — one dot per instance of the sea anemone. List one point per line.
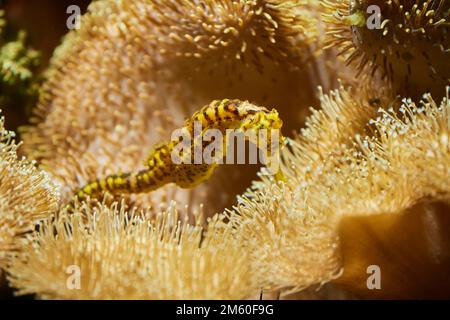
(408, 41)
(141, 75)
(363, 186)
(120, 254)
(27, 195)
(390, 166)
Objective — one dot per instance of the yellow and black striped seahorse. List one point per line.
(161, 170)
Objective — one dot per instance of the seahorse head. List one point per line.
(263, 119)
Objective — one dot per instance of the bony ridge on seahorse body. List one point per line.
(160, 167)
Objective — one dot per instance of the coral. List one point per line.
(27, 195)
(18, 64)
(364, 182)
(121, 255)
(410, 248)
(286, 229)
(410, 46)
(16, 61)
(292, 228)
(232, 31)
(111, 89)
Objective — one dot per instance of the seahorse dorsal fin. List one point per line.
(189, 121)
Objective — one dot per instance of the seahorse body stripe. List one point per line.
(220, 114)
(224, 114)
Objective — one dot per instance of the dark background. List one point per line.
(45, 23)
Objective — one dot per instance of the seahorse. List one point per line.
(161, 170)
